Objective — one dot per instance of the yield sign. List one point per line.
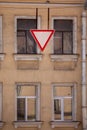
(42, 37)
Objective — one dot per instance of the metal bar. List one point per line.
(36, 17)
(48, 17)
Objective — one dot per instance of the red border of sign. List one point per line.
(35, 38)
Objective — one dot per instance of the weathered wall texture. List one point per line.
(46, 75)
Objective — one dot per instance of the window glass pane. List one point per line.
(31, 106)
(26, 24)
(57, 42)
(21, 42)
(31, 45)
(63, 25)
(62, 91)
(67, 42)
(68, 108)
(57, 109)
(26, 91)
(21, 109)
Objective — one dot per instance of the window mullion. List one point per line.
(62, 43)
(26, 40)
(37, 103)
(72, 41)
(73, 102)
(72, 106)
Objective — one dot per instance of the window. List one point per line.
(28, 102)
(64, 46)
(64, 102)
(25, 41)
(63, 37)
(26, 50)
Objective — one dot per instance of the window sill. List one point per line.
(64, 62)
(27, 57)
(1, 124)
(27, 62)
(18, 124)
(2, 56)
(74, 124)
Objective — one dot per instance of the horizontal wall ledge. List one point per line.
(43, 4)
(64, 57)
(2, 124)
(27, 56)
(61, 124)
(2, 55)
(18, 124)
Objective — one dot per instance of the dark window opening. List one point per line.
(63, 37)
(25, 41)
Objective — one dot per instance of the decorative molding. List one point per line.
(26, 57)
(27, 62)
(28, 84)
(18, 124)
(2, 124)
(74, 124)
(40, 5)
(66, 84)
(64, 62)
(27, 65)
(64, 57)
(2, 56)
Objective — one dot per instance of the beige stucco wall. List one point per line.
(9, 74)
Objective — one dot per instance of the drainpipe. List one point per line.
(84, 107)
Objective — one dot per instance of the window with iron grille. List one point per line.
(25, 42)
(27, 102)
(63, 37)
(63, 103)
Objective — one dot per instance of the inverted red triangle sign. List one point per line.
(42, 37)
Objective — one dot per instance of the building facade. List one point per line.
(47, 89)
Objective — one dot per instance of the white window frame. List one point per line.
(1, 101)
(1, 45)
(74, 32)
(62, 99)
(0, 34)
(37, 96)
(25, 17)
